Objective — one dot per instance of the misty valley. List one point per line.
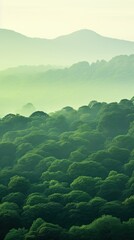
(51, 88)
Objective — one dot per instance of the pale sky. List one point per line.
(52, 18)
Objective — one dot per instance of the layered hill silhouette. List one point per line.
(84, 45)
(76, 85)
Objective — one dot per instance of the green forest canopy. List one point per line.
(68, 175)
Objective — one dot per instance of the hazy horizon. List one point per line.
(49, 19)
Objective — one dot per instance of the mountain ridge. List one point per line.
(83, 31)
(82, 45)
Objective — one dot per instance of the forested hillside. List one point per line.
(76, 85)
(68, 175)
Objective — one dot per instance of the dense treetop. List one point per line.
(68, 175)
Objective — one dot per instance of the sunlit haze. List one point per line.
(51, 18)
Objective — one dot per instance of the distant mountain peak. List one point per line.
(85, 31)
(82, 33)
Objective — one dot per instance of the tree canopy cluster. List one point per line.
(68, 175)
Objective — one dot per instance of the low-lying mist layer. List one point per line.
(50, 89)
